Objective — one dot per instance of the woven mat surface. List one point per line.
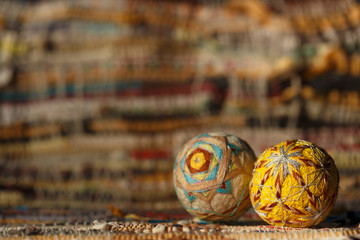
(89, 224)
(182, 229)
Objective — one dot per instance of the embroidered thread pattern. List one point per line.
(212, 175)
(295, 184)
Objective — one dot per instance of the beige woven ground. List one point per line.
(172, 230)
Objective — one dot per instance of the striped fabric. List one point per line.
(97, 97)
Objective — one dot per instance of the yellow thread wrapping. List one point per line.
(294, 183)
(198, 160)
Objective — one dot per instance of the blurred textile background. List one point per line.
(97, 97)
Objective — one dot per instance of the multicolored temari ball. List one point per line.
(212, 174)
(295, 184)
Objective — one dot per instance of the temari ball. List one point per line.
(212, 173)
(294, 184)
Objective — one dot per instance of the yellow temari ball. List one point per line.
(294, 184)
(212, 173)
